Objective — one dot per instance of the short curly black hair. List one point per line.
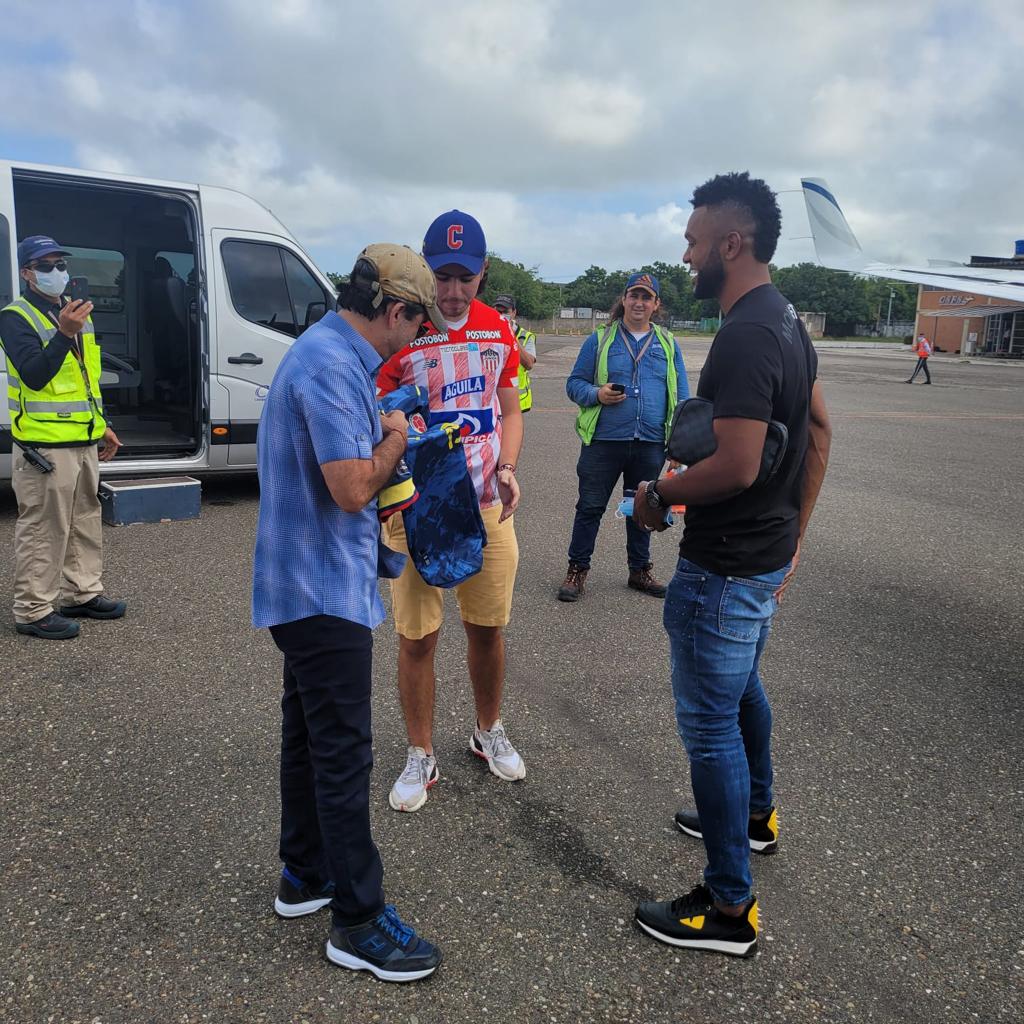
(751, 196)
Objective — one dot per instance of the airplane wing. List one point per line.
(837, 247)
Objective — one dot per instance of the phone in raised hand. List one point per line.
(78, 289)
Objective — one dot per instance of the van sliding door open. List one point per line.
(139, 249)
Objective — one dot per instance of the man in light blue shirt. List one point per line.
(324, 452)
(627, 380)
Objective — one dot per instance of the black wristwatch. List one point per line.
(654, 499)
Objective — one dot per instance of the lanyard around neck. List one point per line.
(626, 334)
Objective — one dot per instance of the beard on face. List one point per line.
(710, 277)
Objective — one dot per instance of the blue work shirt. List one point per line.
(311, 557)
(642, 415)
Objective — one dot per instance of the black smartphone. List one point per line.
(78, 288)
(618, 388)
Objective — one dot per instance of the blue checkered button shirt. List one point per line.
(311, 557)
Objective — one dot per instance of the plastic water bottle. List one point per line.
(678, 509)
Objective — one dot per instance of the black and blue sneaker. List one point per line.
(385, 946)
(296, 898)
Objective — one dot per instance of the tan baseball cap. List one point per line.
(404, 274)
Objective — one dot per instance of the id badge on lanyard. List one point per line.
(636, 358)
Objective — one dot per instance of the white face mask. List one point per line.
(53, 282)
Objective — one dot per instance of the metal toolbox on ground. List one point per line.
(151, 500)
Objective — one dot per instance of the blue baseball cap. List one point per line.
(34, 246)
(455, 237)
(644, 280)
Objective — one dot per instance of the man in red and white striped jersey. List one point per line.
(469, 367)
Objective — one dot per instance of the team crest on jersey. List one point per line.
(491, 357)
(418, 423)
(466, 386)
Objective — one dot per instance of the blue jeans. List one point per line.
(717, 628)
(600, 465)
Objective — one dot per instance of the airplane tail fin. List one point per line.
(834, 242)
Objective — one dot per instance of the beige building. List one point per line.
(957, 321)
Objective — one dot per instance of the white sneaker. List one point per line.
(502, 758)
(409, 793)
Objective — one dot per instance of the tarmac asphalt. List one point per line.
(139, 762)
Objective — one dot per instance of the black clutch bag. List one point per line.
(692, 438)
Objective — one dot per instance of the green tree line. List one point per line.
(845, 299)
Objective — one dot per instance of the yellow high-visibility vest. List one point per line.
(69, 407)
(525, 390)
(586, 419)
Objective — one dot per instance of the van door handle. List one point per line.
(246, 358)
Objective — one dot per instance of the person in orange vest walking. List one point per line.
(923, 349)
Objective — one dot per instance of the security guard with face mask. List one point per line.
(57, 423)
(506, 306)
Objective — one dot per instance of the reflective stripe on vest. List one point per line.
(525, 388)
(586, 420)
(65, 409)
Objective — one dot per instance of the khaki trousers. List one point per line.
(59, 532)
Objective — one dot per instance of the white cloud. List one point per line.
(574, 130)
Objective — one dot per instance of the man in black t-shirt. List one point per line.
(739, 550)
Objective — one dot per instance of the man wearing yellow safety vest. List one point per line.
(506, 306)
(53, 394)
(627, 380)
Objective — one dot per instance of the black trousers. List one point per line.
(326, 759)
(922, 364)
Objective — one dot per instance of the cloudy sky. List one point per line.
(574, 130)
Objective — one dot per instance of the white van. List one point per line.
(198, 292)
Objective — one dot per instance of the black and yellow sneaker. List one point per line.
(694, 922)
(762, 832)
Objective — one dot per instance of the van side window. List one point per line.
(256, 281)
(270, 286)
(308, 298)
(104, 270)
(6, 276)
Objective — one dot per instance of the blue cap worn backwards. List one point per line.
(455, 237)
(643, 280)
(34, 246)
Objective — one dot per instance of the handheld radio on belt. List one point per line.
(34, 457)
